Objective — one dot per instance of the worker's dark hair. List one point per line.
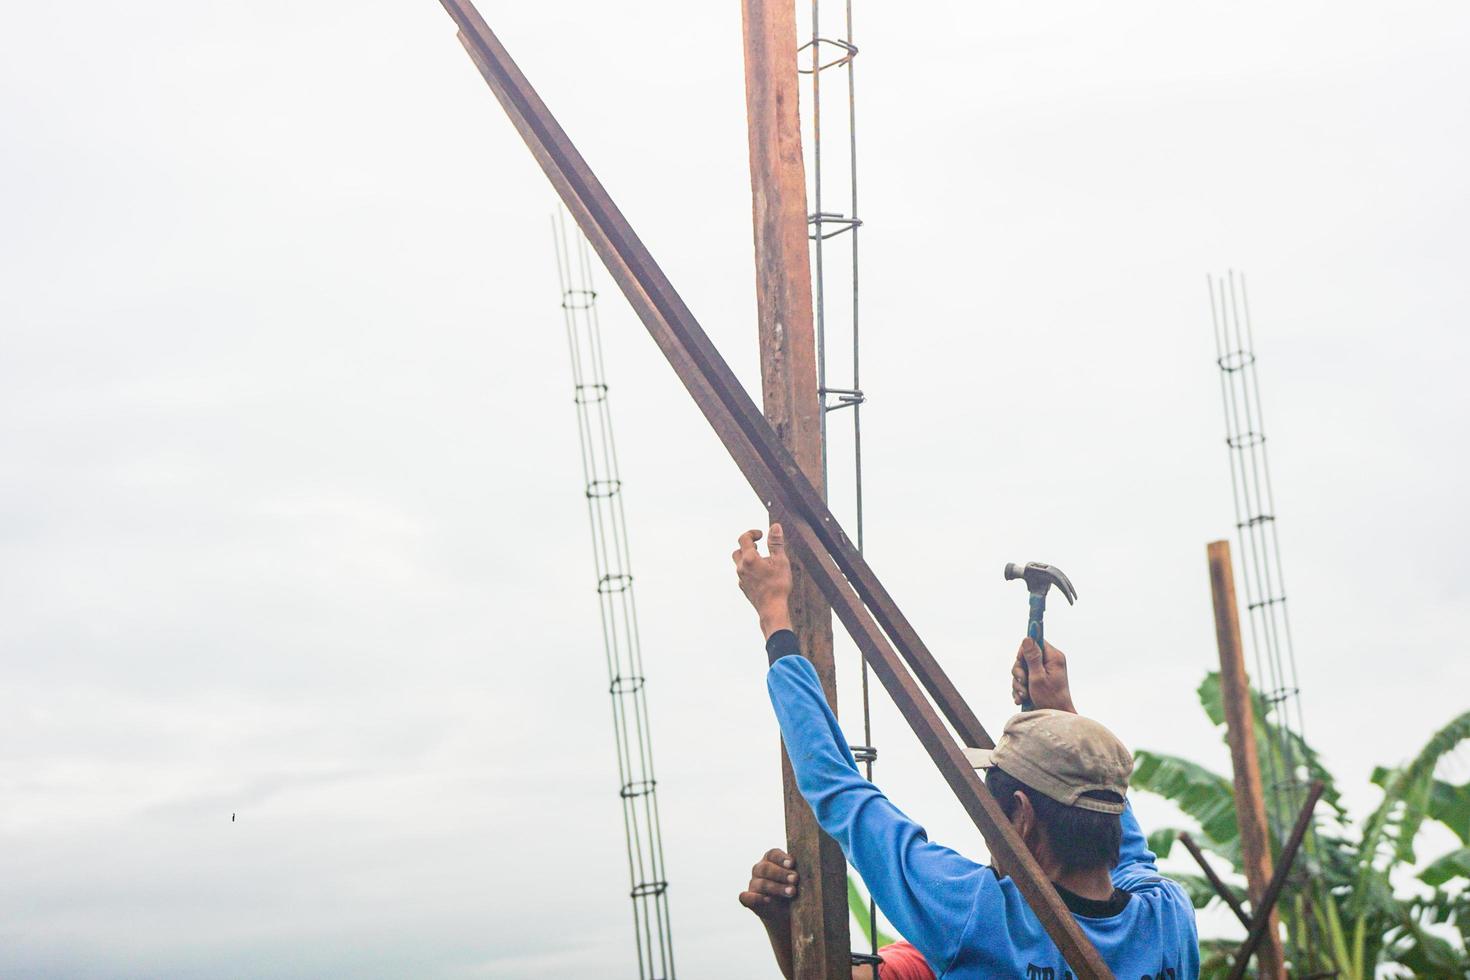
(1080, 839)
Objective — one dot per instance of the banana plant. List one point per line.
(1347, 917)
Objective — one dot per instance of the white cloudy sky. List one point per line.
(290, 519)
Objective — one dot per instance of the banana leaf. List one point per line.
(1455, 864)
(1450, 805)
(1206, 797)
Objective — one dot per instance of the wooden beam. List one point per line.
(820, 948)
(817, 539)
(1240, 732)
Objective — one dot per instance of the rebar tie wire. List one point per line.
(603, 490)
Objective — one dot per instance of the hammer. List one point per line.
(1039, 580)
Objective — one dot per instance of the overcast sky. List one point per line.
(290, 512)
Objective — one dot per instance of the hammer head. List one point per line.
(1039, 578)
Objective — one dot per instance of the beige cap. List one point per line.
(1062, 755)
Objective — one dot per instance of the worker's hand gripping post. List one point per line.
(1039, 579)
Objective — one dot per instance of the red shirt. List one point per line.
(902, 962)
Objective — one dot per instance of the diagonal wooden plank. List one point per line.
(1223, 890)
(817, 539)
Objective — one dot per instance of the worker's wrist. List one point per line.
(774, 617)
(1053, 703)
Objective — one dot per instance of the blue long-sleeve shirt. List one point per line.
(967, 922)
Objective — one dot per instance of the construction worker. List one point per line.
(1061, 780)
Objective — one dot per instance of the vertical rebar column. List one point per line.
(820, 55)
(1260, 559)
(603, 488)
(1255, 524)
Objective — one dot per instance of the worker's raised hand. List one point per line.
(766, 580)
(772, 885)
(1046, 677)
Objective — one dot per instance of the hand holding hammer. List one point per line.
(1041, 681)
(1039, 579)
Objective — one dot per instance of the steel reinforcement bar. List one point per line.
(602, 487)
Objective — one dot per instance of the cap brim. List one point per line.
(1098, 806)
(979, 758)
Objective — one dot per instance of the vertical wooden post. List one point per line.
(820, 949)
(1240, 729)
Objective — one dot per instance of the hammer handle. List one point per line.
(1033, 630)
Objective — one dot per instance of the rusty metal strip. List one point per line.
(815, 535)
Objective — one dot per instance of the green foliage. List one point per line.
(1215, 958)
(1455, 864)
(1407, 793)
(1161, 842)
(1206, 797)
(1362, 925)
(1450, 805)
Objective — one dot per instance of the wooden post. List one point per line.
(783, 280)
(1240, 732)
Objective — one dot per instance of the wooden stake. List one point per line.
(783, 286)
(1240, 732)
